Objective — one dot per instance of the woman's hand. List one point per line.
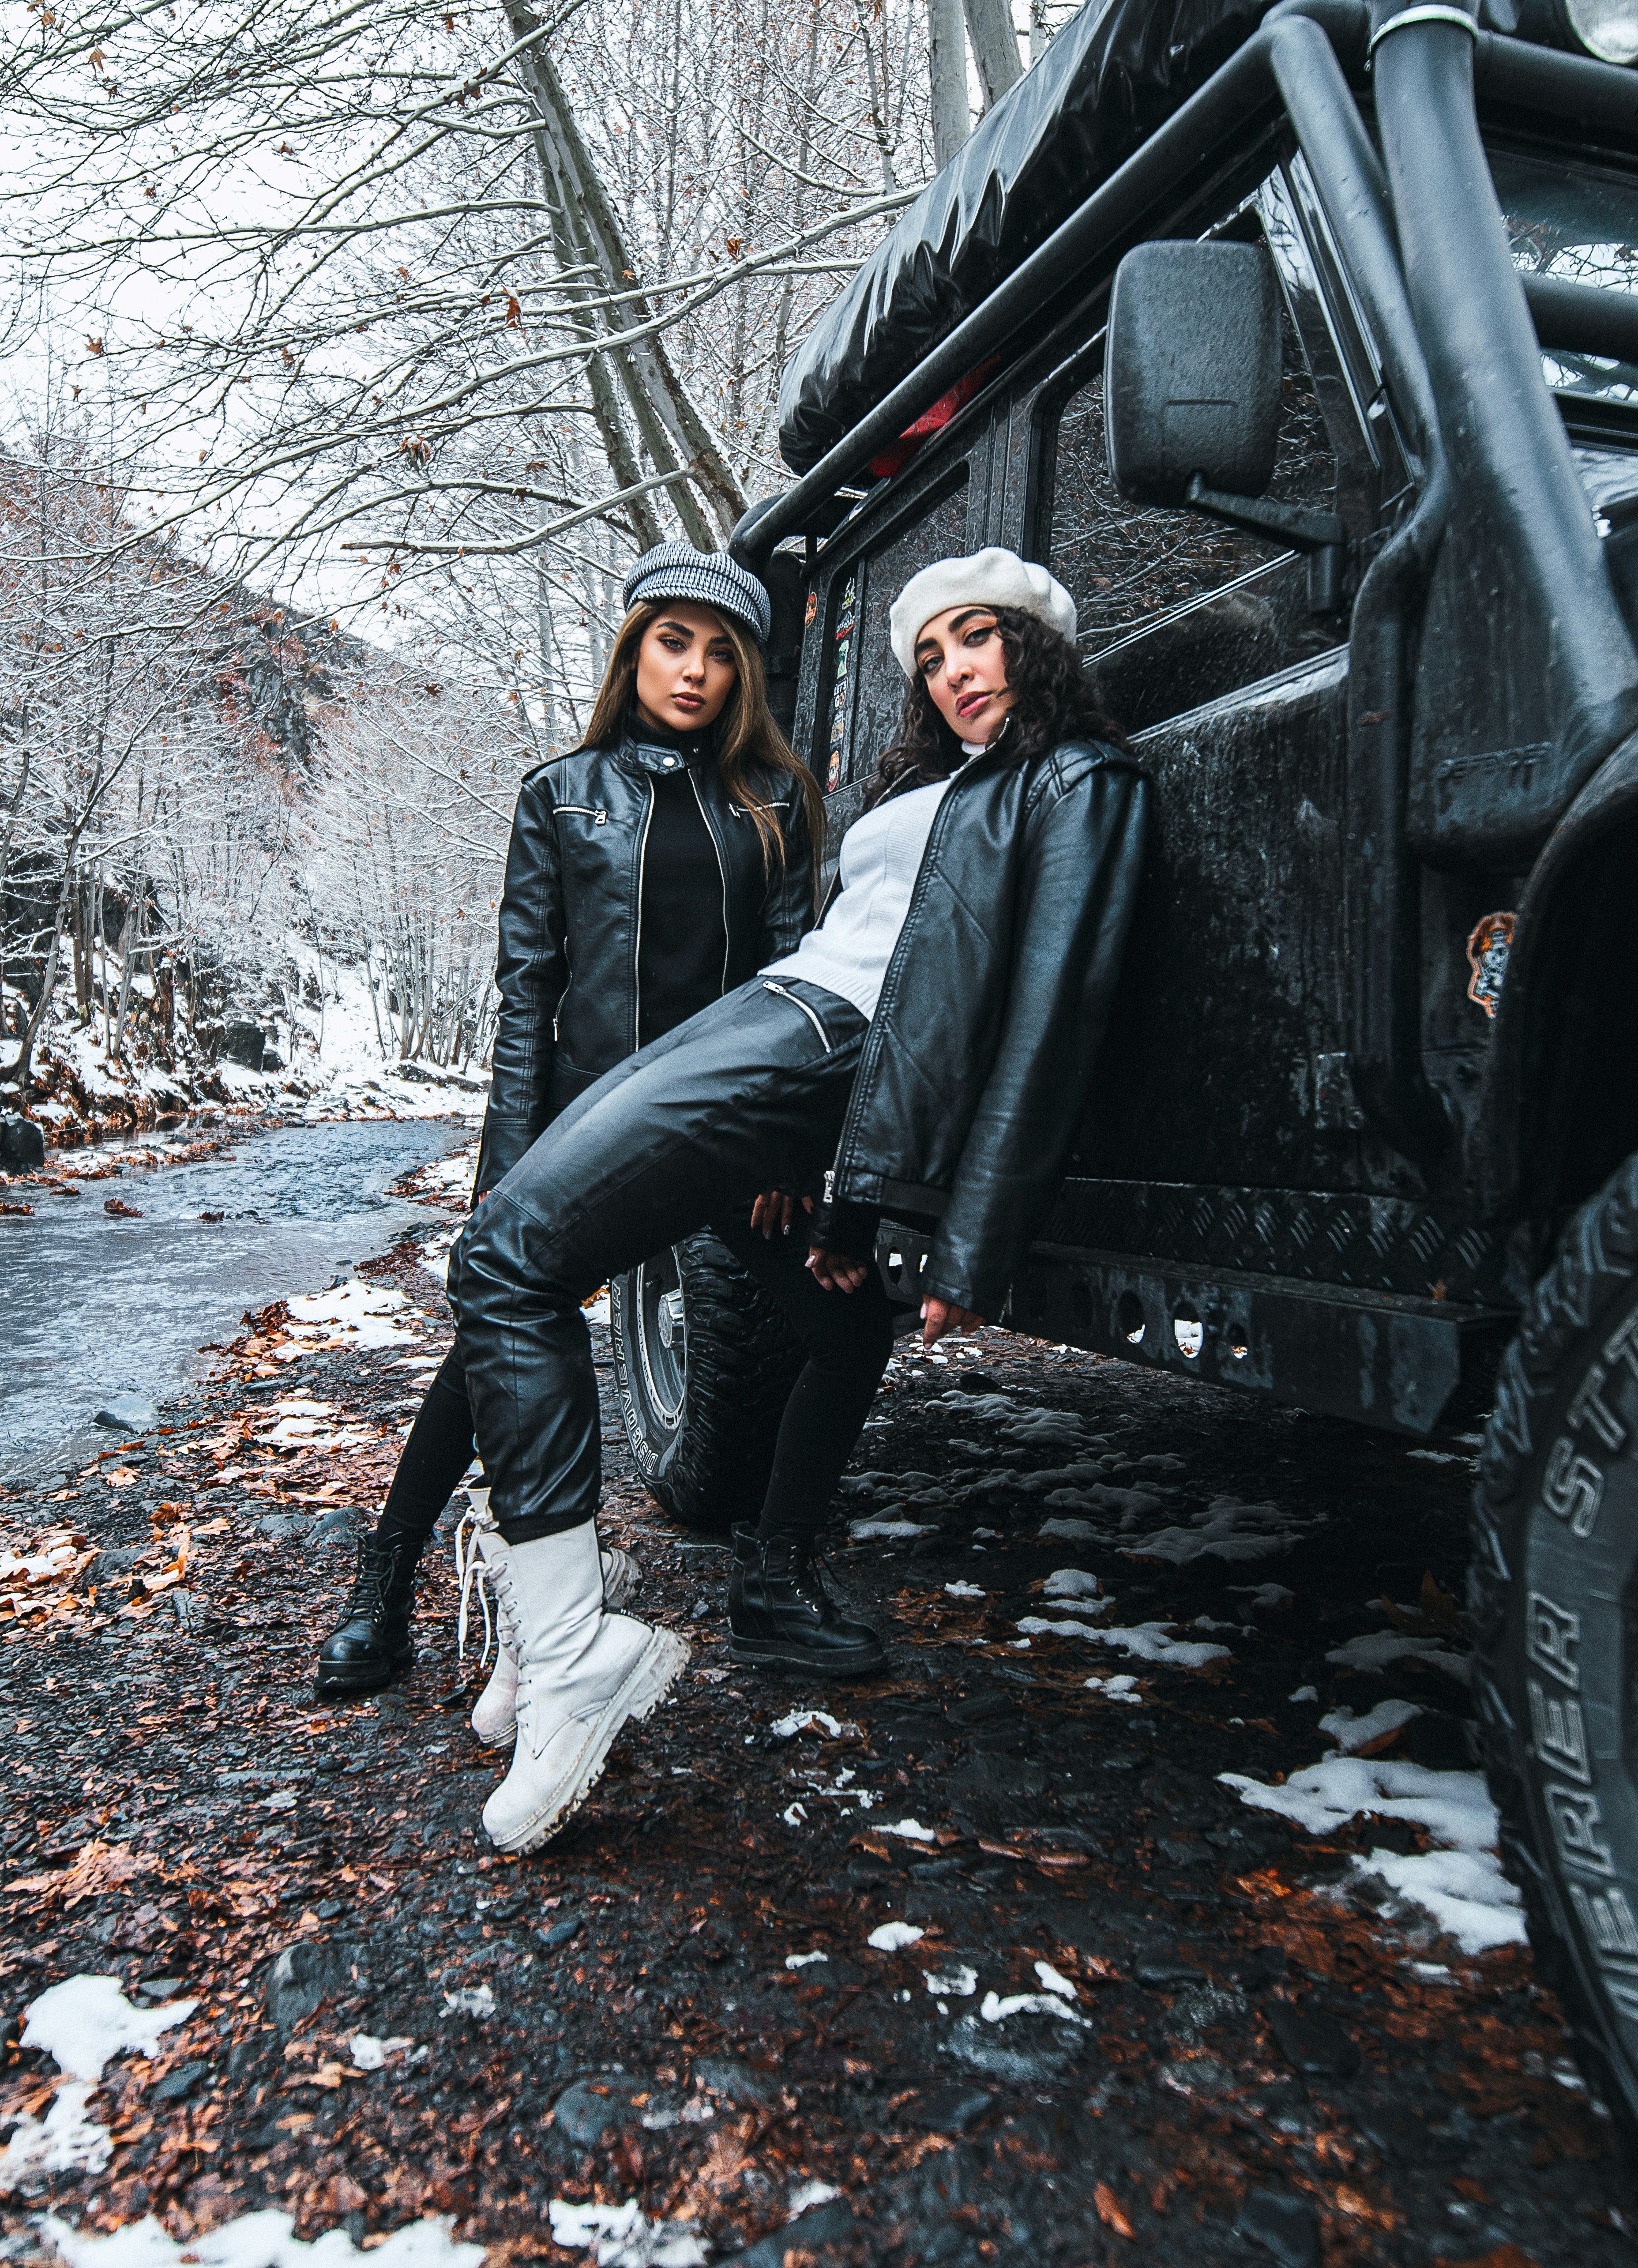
(774, 1210)
(941, 1316)
(833, 1271)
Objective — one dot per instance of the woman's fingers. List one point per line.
(833, 1272)
(771, 1210)
(941, 1316)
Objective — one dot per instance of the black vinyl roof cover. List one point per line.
(1113, 75)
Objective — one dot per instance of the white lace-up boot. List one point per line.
(479, 1548)
(581, 1674)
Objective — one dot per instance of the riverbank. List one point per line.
(323, 1052)
(121, 1262)
(981, 1961)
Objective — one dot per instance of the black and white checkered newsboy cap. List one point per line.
(711, 579)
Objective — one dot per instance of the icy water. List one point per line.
(91, 1306)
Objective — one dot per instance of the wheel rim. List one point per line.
(662, 1337)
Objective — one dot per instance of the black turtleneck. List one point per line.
(683, 940)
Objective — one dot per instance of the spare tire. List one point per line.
(1553, 1596)
(704, 1363)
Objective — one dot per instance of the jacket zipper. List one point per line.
(636, 948)
(722, 868)
(768, 985)
(580, 810)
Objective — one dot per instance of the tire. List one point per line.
(704, 1363)
(1552, 1593)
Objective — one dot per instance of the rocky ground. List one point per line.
(981, 1960)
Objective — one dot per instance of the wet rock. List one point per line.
(109, 1565)
(1439, 1741)
(949, 2109)
(737, 2082)
(1002, 1775)
(585, 2111)
(1164, 1972)
(22, 1144)
(179, 2083)
(1285, 2227)
(302, 1974)
(1030, 2060)
(1200, 2006)
(826, 2225)
(127, 1413)
(1312, 2043)
(281, 1526)
(1261, 1968)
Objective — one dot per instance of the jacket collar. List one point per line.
(643, 749)
(967, 769)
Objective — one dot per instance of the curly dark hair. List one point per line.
(1058, 700)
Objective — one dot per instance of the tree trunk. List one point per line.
(947, 68)
(611, 424)
(672, 424)
(6, 833)
(995, 47)
(21, 1068)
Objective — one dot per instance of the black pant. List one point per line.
(746, 1095)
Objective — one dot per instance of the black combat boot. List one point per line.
(371, 1645)
(779, 1610)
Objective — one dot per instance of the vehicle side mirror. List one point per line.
(1192, 370)
(1192, 388)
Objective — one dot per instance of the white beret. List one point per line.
(989, 578)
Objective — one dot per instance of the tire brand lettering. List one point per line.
(1560, 1736)
(1573, 1487)
(1606, 1922)
(1622, 1344)
(1575, 1818)
(1589, 1408)
(1552, 1636)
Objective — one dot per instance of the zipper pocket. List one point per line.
(768, 985)
(582, 811)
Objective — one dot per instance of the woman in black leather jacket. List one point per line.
(649, 872)
(929, 1046)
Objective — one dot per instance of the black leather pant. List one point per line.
(746, 1096)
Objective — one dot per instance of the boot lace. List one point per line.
(372, 1580)
(472, 1573)
(807, 1580)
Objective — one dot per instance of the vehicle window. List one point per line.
(1175, 608)
(864, 686)
(1580, 224)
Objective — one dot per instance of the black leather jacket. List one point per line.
(978, 1060)
(566, 966)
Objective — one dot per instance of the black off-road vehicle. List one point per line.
(1303, 346)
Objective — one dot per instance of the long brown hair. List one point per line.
(745, 731)
(1058, 699)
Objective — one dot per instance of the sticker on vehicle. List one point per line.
(1487, 949)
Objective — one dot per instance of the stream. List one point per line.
(93, 1305)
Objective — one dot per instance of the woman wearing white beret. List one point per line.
(927, 1050)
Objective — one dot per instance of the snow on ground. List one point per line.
(621, 2236)
(339, 1048)
(1378, 1648)
(84, 2023)
(353, 1314)
(1460, 1884)
(1227, 1529)
(260, 2240)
